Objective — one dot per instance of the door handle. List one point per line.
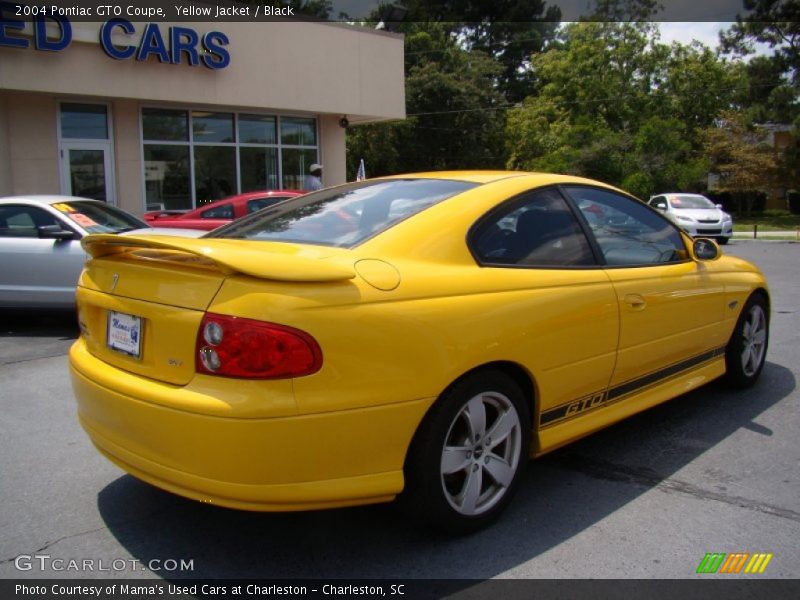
(635, 301)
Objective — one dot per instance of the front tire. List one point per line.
(466, 459)
(722, 241)
(747, 349)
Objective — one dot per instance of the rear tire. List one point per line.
(466, 459)
(747, 349)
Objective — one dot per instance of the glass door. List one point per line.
(85, 145)
(86, 170)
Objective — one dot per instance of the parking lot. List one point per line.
(712, 471)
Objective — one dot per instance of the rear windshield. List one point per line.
(679, 201)
(97, 217)
(343, 216)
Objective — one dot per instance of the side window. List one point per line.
(628, 233)
(258, 203)
(536, 230)
(218, 212)
(22, 221)
(659, 202)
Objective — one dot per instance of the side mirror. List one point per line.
(55, 232)
(719, 206)
(705, 249)
(661, 207)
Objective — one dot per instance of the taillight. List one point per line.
(246, 348)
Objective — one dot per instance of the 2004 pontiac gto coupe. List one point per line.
(417, 336)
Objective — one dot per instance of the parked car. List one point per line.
(696, 214)
(213, 215)
(40, 246)
(417, 336)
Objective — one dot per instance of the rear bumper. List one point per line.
(284, 463)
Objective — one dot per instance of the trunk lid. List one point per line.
(141, 299)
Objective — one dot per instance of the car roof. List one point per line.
(535, 179)
(44, 199)
(472, 176)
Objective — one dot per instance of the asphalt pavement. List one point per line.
(712, 471)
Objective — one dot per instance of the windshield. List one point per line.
(97, 217)
(683, 201)
(343, 216)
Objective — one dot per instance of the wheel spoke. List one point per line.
(746, 331)
(476, 413)
(760, 337)
(454, 459)
(754, 356)
(472, 491)
(500, 470)
(756, 320)
(746, 360)
(502, 427)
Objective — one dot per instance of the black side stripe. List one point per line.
(574, 408)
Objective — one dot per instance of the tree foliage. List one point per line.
(452, 103)
(618, 106)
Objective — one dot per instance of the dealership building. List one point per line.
(174, 115)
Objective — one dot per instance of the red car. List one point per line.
(210, 216)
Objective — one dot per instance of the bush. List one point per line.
(793, 197)
(738, 202)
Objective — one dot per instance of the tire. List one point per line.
(723, 241)
(458, 478)
(747, 349)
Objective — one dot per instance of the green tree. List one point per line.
(452, 104)
(508, 31)
(772, 22)
(738, 154)
(617, 105)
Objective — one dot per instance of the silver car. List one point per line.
(696, 214)
(40, 245)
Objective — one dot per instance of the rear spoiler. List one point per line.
(228, 256)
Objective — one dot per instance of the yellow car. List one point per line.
(417, 336)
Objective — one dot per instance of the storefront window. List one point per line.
(214, 173)
(296, 162)
(212, 127)
(259, 169)
(297, 131)
(166, 177)
(84, 121)
(165, 125)
(257, 129)
(193, 157)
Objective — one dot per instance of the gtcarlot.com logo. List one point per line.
(45, 562)
(736, 563)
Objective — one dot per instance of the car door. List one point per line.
(669, 305)
(566, 320)
(36, 271)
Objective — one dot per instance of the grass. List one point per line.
(770, 220)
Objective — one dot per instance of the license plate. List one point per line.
(125, 333)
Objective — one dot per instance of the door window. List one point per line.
(23, 221)
(626, 230)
